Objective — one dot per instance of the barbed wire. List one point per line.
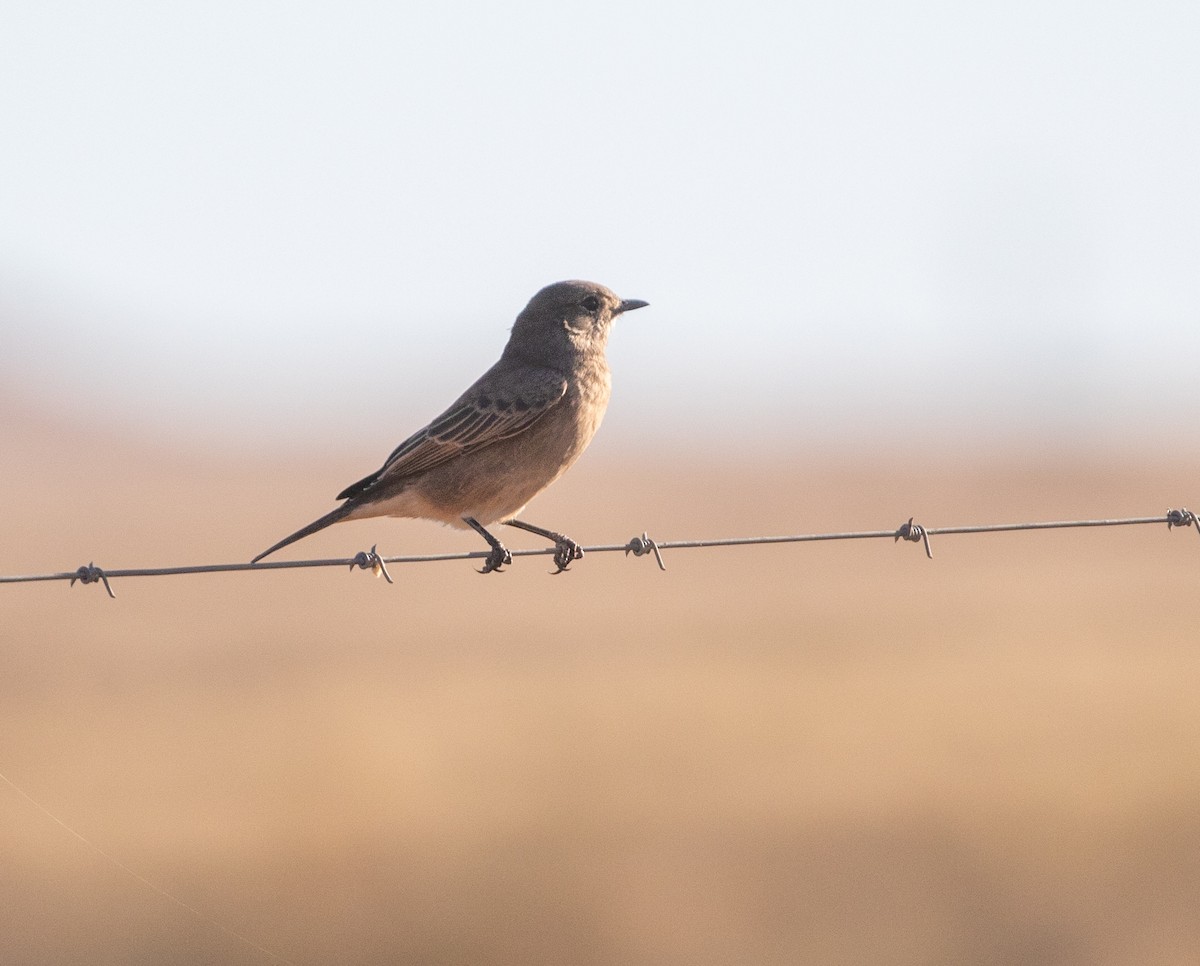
(638, 546)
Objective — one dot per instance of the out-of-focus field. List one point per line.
(834, 753)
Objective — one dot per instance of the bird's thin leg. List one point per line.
(565, 549)
(499, 556)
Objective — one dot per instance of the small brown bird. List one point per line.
(509, 436)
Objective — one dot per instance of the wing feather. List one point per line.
(503, 403)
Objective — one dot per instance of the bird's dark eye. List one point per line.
(591, 303)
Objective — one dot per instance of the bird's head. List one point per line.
(566, 320)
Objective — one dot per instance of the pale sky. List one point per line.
(279, 219)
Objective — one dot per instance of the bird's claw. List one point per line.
(499, 557)
(566, 551)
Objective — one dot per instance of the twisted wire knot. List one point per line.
(640, 546)
(91, 574)
(915, 533)
(1182, 517)
(370, 560)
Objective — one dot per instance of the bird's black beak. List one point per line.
(628, 305)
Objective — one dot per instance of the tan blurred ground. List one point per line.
(837, 753)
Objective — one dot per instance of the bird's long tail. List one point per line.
(333, 516)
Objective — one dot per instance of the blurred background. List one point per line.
(932, 260)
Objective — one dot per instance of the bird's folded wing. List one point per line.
(491, 410)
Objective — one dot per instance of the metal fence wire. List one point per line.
(637, 546)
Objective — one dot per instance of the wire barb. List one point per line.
(640, 546)
(370, 560)
(916, 533)
(91, 574)
(1182, 517)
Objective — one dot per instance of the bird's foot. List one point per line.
(499, 558)
(566, 551)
